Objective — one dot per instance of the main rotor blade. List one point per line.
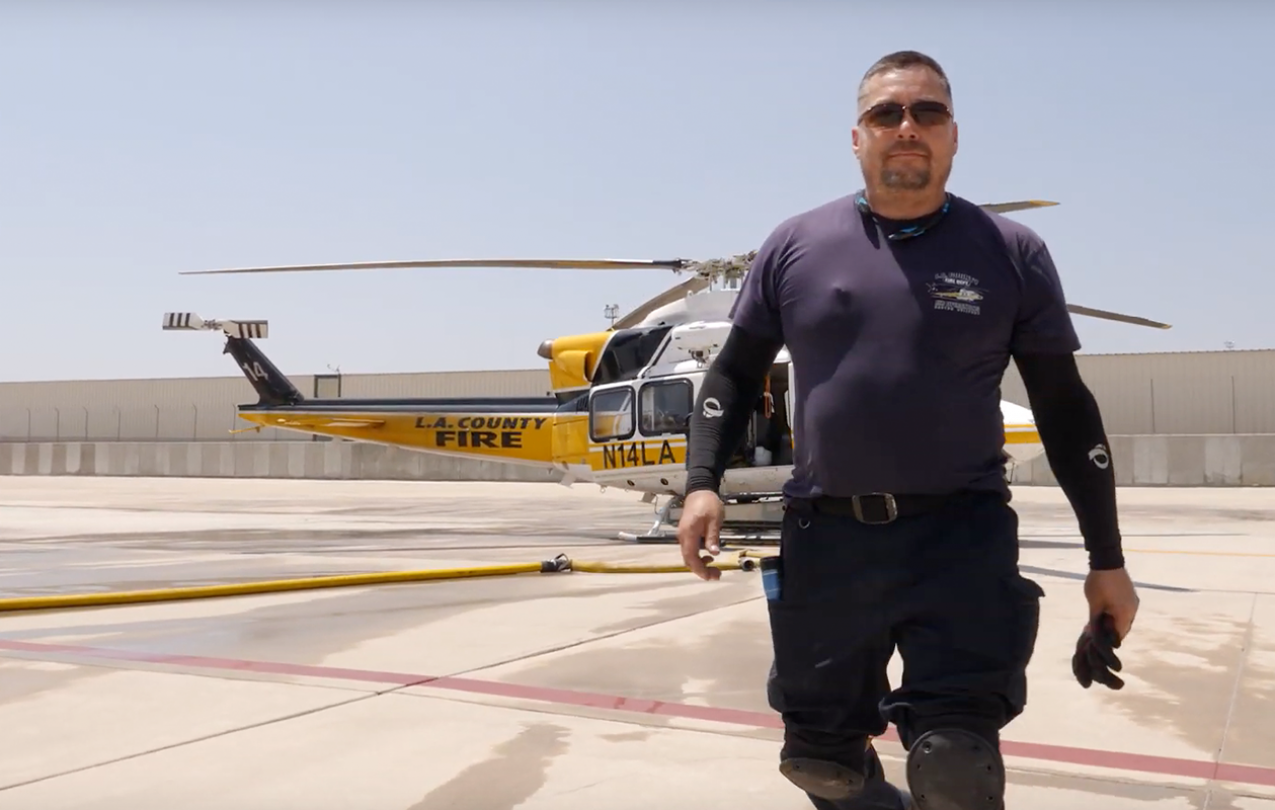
(566, 264)
(563, 264)
(691, 285)
(1019, 205)
(1115, 316)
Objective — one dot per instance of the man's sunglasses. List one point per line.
(889, 114)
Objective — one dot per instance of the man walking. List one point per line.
(901, 306)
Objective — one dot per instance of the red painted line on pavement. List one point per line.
(1090, 757)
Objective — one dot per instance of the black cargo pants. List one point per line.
(942, 587)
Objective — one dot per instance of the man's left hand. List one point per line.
(1112, 592)
(1113, 603)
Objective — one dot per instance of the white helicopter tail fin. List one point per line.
(271, 385)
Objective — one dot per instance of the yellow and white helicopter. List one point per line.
(620, 399)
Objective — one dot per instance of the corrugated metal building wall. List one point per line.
(1189, 392)
(1177, 392)
(203, 408)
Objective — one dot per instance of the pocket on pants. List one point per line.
(802, 654)
(1027, 589)
(829, 672)
(1022, 618)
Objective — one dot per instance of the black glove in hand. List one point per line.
(1095, 659)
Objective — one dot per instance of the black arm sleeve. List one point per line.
(1076, 446)
(731, 388)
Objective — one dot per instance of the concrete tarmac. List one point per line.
(558, 691)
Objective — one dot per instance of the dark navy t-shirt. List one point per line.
(899, 347)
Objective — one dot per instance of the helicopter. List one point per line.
(620, 399)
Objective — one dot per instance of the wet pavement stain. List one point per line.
(1185, 678)
(312, 632)
(514, 773)
(1251, 730)
(718, 670)
(681, 597)
(22, 679)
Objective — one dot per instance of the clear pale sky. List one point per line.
(138, 139)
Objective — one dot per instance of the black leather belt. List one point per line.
(878, 508)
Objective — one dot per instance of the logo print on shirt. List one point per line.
(712, 408)
(956, 292)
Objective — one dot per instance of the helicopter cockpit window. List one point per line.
(665, 407)
(611, 414)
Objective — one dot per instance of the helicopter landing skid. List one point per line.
(755, 521)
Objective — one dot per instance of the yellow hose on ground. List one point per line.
(559, 564)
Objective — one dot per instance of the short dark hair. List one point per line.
(905, 59)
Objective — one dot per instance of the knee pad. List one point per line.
(952, 769)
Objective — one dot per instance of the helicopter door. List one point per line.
(570, 444)
(664, 407)
(612, 414)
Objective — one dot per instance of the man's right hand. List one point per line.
(702, 515)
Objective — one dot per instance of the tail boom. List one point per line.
(513, 430)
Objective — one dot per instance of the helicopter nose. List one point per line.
(546, 350)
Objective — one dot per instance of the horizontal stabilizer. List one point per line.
(313, 421)
(189, 321)
(1018, 205)
(357, 423)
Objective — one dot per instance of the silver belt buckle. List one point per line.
(891, 508)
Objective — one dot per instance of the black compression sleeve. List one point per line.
(730, 390)
(1076, 446)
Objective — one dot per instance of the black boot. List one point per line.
(877, 793)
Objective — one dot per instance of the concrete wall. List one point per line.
(303, 459)
(1145, 460)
